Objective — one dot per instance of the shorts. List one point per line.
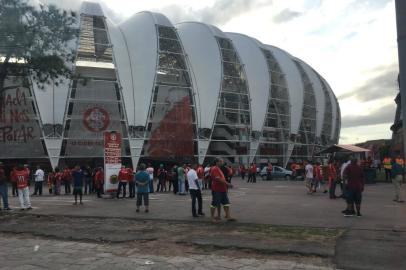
(353, 196)
(77, 191)
(219, 198)
(141, 196)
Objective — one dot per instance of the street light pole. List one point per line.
(401, 29)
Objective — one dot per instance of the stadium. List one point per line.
(177, 93)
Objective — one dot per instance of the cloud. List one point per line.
(379, 86)
(286, 15)
(219, 13)
(383, 115)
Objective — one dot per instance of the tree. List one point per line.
(36, 42)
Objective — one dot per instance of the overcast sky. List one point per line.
(351, 43)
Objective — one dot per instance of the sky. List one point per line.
(351, 43)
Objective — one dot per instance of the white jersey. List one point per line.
(39, 175)
(191, 178)
(150, 171)
(343, 168)
(309, 171)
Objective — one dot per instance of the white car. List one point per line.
(277, 172)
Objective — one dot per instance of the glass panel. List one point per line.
(171, 60)
(167, 32)
(173, 77)
(169, 45)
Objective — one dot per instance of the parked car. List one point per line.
(277, 172)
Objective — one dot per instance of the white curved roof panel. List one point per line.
(140, 38)
(335, 109)
(294, 84)
(124, 69)
(258, 78)
(203, 55)
(319, 96)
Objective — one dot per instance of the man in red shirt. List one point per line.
(332, 177)
(123, 176)
(219, 188)
(67, 179)
(252, 177)
(131, 183)
(354, 186)
(200, 174)
(21, 176)
(99, 181)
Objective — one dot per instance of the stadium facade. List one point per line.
(176, 93)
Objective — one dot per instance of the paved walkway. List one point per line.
(266, 202)
(374, 241)
(20, 253)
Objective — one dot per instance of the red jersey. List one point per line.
(332, 172)
(317, 173)
(130, 175)
(123, 175)
(253, 168)
(355, 176)
(67, 175)
(22, 178)
(99, 179)
(58, 178)
(216, 185)
(200, 172)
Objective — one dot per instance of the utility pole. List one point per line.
(401, 27)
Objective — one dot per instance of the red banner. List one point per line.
(112, 147)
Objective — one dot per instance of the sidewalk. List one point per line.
(375, 241)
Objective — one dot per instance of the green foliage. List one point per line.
(41, 38)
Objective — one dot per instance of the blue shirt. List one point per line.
(77, 178)
(142, 177)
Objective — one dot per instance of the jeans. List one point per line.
(151, 186)
(4, 195)
(24, 197)
(67, 187)
(196, 194)
(181, 186)
(121, 185)
(38, 188)
(131, 189)
(332, 189)
(88, 185)
(15, 189)
(141, 197)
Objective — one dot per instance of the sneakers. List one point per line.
(349, 213)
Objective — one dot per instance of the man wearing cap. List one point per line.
(3, 187)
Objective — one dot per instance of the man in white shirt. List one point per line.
(309, 177)
(39, 179)
(195, 191)
(150, 171)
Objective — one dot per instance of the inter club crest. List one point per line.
(96, 119)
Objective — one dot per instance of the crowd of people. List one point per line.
(181, 180)
(193, 179)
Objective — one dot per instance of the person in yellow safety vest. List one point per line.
(400, 161)
(387, 165)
